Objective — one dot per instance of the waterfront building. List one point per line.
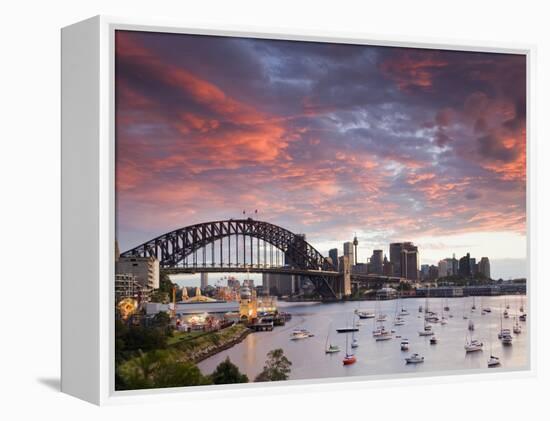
(145, 269)
(126, 286)
(386, 293)
(464, 266)
(333, 254)
(485, 267)
(204, 280)
(377, 262)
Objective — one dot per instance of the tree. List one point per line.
(161, 319)
(157, 369)
(227, 373)
(277, 367)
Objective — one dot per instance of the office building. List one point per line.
(145, 269)
(404, 257)
(485, 267)
(126, 286)
(377, 262)
(464, 266)
(348, 251)
(333, 254)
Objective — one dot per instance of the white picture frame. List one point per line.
(88, 219)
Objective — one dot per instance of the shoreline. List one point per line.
(219, 348)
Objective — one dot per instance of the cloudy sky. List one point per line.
(328, 140)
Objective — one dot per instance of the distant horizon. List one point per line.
(331, 140)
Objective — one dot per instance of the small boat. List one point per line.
(331, 349)
(503, 332)
(487, 309)
(405, 345)
(506, 339)
(349, 358)
(379, 331)
(517, 326)
(504, 335)
(426, 332)
(473, 303)
(399, 321)
(420, 309)
(505, 314)
(473, 345)
(302, 332)
(446, 308)
(384, 337)
(381, 318)
(298, 335)
(433, 340)
(414, 359)
(404, 312)
(471, 326)
(365, 315)
(523, 317)
(493, 361)
(443, 320)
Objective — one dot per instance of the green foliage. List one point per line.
(130, 339)
(160, 297)
(161, 319)
(156, 369)
(227, 373)
(277, 367)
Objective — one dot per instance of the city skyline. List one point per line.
(391, 144)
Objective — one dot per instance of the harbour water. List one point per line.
(309, 360)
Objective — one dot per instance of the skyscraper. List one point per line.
(348, 251)
(395, 258)
(464, 266)
(377, 262)
(404, 257)
(333, 254)
(485, 267)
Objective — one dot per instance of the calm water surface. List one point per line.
(308, 356)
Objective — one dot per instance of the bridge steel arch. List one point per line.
(173, 247)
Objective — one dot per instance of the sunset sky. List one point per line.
(329, 140)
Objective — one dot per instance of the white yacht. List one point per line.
(493, 361)
(414, 359)
(404, 345)
(365, 315)
(473, 345)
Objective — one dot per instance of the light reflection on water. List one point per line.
(384, 357)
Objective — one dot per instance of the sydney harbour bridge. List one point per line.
(247, 245)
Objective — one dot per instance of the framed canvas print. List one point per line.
(245, 209)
